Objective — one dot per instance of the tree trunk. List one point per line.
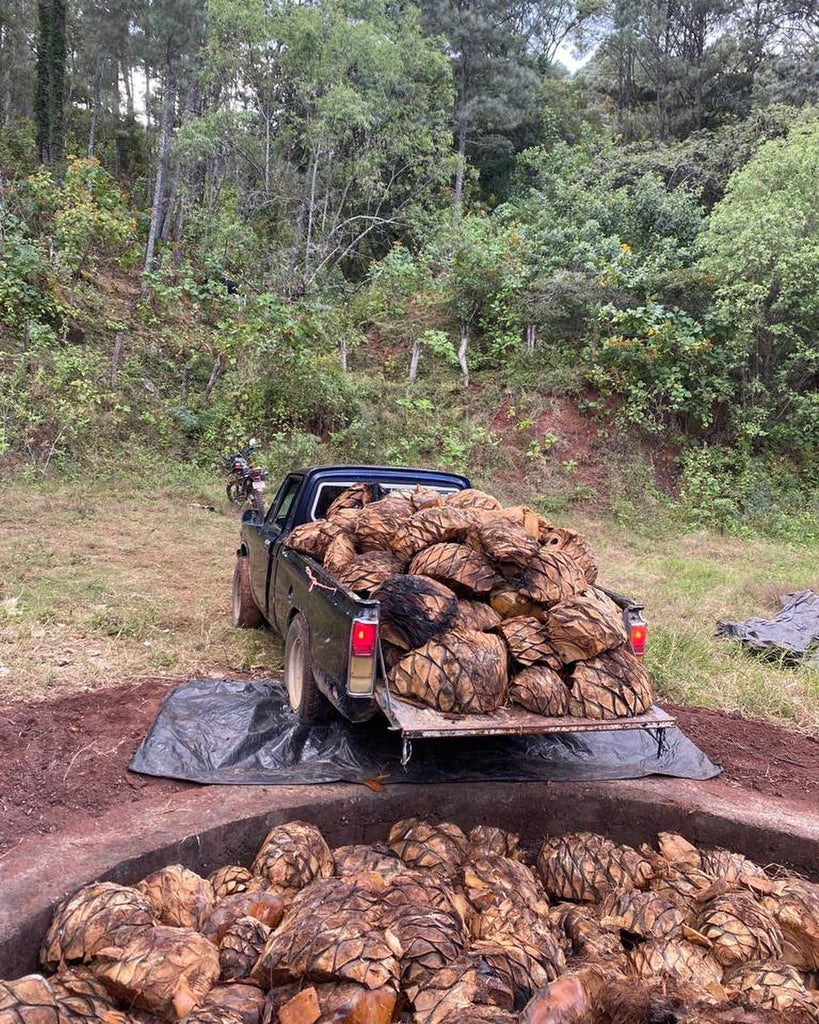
(148, 127)
(215, 374)
(415, 359)
(457, 199)
(129, 89)
(266, 151)
(310, 213)
(115, 356)
(462, 349)
(460, 118)
(92, 131)
(170, 205)
(161, 168)
(50, 98)
(177, 227)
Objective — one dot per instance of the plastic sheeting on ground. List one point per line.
(244, 733)
(789, 636)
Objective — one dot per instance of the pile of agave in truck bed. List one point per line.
(435, 926)
(481, 605)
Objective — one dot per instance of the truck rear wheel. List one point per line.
(246, 614)
(305, 698)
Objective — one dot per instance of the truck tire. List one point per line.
(305, 698)
(246, 614)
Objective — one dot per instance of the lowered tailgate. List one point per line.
(425, 723)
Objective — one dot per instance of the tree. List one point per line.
(102, 58)
(762, 246)
(177, 32)
(352, 105)
(499, 50)
(51, 58)
(17, 84)
(675, 67)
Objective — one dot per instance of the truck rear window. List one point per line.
(328, 491)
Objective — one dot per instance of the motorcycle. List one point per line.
(246, 482)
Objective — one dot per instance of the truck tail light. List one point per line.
(365, 635)
(363, 646)
(638, 639)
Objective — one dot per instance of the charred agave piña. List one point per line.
(437, 926)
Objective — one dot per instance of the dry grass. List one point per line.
(109, 586)
(105, 587)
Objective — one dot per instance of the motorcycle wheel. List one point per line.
(235, 493)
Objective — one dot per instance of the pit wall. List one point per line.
(217, 825)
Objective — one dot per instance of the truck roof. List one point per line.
(399, 474)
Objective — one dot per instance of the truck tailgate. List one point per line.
(419, 722)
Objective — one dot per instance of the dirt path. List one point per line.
(66, 759)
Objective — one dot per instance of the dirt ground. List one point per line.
(68, 758)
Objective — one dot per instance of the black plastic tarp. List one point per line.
(791, 636)
(244, 733)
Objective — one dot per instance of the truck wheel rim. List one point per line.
(295, 673)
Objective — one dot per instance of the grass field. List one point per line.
(690, 580)
(101, 584)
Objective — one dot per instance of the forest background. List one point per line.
(367, 230)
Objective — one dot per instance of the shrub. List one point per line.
(662, 365)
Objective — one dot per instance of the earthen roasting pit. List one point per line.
(208, 827)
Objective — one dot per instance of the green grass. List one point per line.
(688, 581)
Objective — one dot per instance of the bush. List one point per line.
(727, 489)
(24, 293)
(422, 424)
(89, 210)
(762, 247)
(662, 366)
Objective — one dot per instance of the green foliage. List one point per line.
(553, 368)
(662, 366)
(284, 374)
(220, 240)
(706, 159)
(51, 404)
(24, 292)
(313, 161)
(403, 297)
(762, 247)
(713, 482)
(440, 344)
(728, 490)
(418, 425)
(360, 100)
(89, 210)
(18, 153)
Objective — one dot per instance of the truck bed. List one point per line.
(420, 722)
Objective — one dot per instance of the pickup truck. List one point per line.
(332, 657)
